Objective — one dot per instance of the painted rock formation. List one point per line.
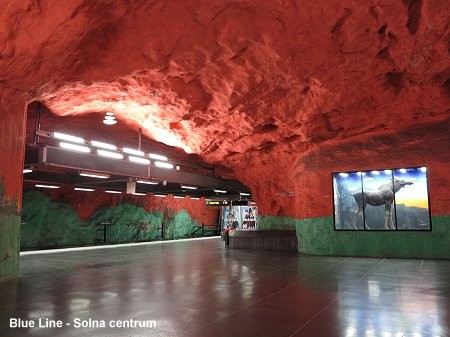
(281, 92)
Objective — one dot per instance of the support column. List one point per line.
(12, 147)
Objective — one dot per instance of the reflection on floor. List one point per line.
(198, 288)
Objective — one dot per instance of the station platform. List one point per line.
(198, 288)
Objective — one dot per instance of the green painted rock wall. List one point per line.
(56, 223)
(276, 222)
(9, 245)
(317, 236)
(9, 234)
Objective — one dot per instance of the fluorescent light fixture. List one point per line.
(157, 156)
(111, 118)
(220, 191)
(73, 147)
(345, 175)
(189, 187)
(160, 195)
(27, 170)
(423, 169)
(109, 154)
(84, 189)
(195, 198)
(375, 173)
(137, 193)
(103, 145)
(109, 121)
(178, 197)
(139, 160)
(109, 113)
(402, 170)
(163, 165)
(147, 182)
(47, 186)
(242, 193)
(133, 151)
(69, 138)
(94, 175)
(113, 192)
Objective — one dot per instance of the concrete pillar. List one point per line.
(12, 146)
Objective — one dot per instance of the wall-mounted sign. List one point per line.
(217, 203)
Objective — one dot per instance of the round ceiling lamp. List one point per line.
(109, 121)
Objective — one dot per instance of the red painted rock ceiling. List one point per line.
(255, 86)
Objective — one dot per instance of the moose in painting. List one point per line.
(384, 195)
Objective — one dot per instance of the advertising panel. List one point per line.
(240, 217)
(391, 199)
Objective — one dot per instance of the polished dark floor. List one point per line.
(198, 288)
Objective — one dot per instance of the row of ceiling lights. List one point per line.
(84, 189)
(401, 170)
(148, 182)
(136, 156)
(107, 150)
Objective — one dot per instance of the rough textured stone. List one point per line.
(317, 236)
(264, 88)
(53, 223)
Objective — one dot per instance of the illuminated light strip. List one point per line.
(220, 191)
(77, 249)
(73, 147)
(109, 154)
(138, 160)
(69, 138)
(27, 170)
(178, 197)
(84, 189)
(94, 175)
(133, 151)
(111, 118)
(189, 187)
(47, 186)
(242, 193)
(157, 156)
(160, 195)
(109, 113)
(113, 192)
(194, 198)
(147, 182)
(163, 165)
(103, 145)
(137, 193)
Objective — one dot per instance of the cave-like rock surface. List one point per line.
(275, 90)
